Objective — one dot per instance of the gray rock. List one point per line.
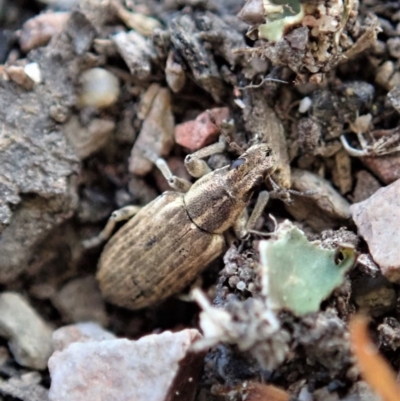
(36, 160)
(29, 336)
(158, 367)
(24, 388)
(80, 300)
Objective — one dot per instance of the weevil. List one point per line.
(171, 240)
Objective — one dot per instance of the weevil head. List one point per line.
(250, 170)
(215, 201)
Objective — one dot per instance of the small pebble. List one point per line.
(305, 105)
(378, 222)
(394, 97)
(39, 30)
(100, 88)
(156, 137)
(241, 285)
(59, 113)
(174, 74)
(141, 23)
(18, 75)
(158, 367)
(28, 334)
(384, 74)
(80, 300)
(366, 185)
(366, 265)
(305, 395)
(202, 131)
(342, 175)
(326, 208)
(393, 45)
(33, 72)
(136, 51)
(90, 139)
(233, 281)
(252, 12)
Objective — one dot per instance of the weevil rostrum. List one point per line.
(167, 243)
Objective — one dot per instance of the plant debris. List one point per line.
(328, 35)
(374, 369)
(298, 275)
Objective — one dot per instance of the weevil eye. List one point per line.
(268, 152)
(236, 163)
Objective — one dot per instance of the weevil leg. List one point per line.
(176, 183)
(264, 234)
(284, 194)
(179, 184)
(197, 167)
(259, 207)
(122, 214)
(245, 225)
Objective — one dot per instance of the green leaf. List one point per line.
(297, 274)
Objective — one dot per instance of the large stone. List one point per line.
(378, 222)
(158, 367)
(37, 193)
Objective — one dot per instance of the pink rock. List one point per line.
(378, 221)
(202, 131)
(158, 367)
(80, 332)
(387, 168)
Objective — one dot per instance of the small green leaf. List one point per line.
(297, 274)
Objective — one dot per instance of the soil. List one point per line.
(75, 147)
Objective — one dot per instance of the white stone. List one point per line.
(33, 72)
(305, 104)
(149, 369)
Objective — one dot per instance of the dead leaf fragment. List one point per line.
(374, 369)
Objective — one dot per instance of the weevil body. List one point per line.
(160, 250)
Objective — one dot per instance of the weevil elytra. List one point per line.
(167, 243)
